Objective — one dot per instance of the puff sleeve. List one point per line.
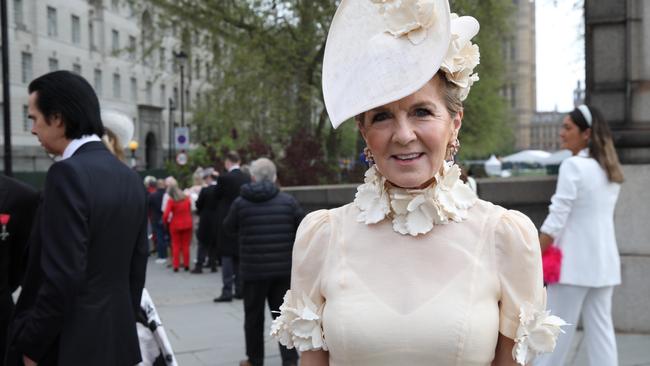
(300, 322)
(522, 302)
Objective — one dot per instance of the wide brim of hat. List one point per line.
(120, 124)
(365, 67)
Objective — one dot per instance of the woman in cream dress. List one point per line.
(417, 270)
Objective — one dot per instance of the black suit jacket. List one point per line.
(206, 207)
(86, 267)
(19, 201)
(228, 187)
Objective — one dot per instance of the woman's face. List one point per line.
(572, 138)
(408, 138)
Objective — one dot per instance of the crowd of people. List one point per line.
(416, 270)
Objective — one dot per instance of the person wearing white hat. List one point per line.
(119, 131)
(417, 270)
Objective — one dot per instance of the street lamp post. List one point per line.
(133, 146)
(181, 57)
(172, 107)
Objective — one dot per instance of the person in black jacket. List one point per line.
(88, 254)
(206, 207)
(155, 215)
(18, 203)
(265, 220)
(228, 186)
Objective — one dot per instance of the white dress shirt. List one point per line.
(581, 219)
(75, 144)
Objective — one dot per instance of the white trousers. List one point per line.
(595, 304)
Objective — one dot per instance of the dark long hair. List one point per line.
(601, 144)
(71, 96)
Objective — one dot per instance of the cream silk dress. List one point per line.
(372, 296)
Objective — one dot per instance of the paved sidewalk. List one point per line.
(203, 333)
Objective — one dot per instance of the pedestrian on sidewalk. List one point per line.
(178, 217)
(88, 255)
(228, 186)
(155, 215)
(265, 221)
(581, 223)
(206, 208)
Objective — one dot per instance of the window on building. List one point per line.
(115, 36)
(132, 48)
(162, 59)
(187, 98)
(198, 98)
(52, 30)
(513, 96)
(149, 91)
(163, 95)
(27, 123)
(76, 68)
(208, 75)
(513, 49)
(117, 86)
(53, 64)
(26, 63)
(19, 17)
(115, 5)
(134, 89)
(75, 28)
(91, 36)
(197, 68)
(98, 82)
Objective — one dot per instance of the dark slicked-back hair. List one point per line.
(71, 96)
(233, 157)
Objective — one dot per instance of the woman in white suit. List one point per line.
(581, 223)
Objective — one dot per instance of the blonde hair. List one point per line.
(113, 144)
(175, 193)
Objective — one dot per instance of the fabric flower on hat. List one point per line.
(299, 324)
(462, 57)
(537, 333)
(408, 17)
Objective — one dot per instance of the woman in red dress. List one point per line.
(178, 215)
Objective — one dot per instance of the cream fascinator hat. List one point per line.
(120, 124)
(379, 51)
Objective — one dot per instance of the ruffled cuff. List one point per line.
(537, 333)
(299, 324)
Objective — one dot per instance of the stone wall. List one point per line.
(532, 196)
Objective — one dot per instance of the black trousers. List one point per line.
(256, 293)
(209, 251)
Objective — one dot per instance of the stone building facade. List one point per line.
(114, 47)
(520, 71)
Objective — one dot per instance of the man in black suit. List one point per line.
(228, 186)
(155, 215)
(206, 207)
(18, 203)
(87, 259)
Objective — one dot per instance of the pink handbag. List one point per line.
(551, 264)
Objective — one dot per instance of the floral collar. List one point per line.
(414, 211)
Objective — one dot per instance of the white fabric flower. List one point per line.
(371, 198)
(459, 63)
(415, 211)
(408, 17)
(299, 324)
(537, 333)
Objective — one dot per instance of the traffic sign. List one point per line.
(182, 138)
(181, 158)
